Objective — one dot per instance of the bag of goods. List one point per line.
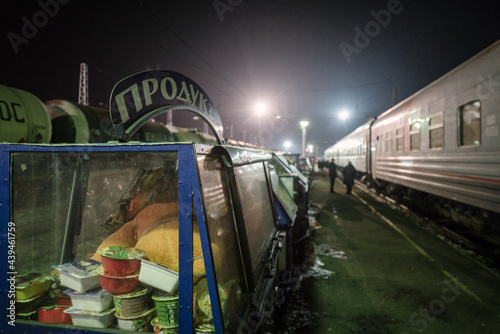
(130, 233)
(161, 246)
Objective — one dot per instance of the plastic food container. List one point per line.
(33, 303)
(121, 261)
(167, 308)
(63, 299)
(54, 315)
(96, 300)
(80, 276)
(140, 323)
(134, 303)
(91, 319)
(162, 329)
(33, 316)
(118, 285)
(158, 277)
(203, 307)
(206, 328)
(31, 284)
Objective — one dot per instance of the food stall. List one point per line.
(129, 236)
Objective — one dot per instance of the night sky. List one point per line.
(307, 60)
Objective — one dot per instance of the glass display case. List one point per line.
(290, 189)
(202, 214)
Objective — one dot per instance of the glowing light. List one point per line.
(304, 123)
(343, 115)
(261, 108)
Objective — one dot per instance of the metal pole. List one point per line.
(303, 141)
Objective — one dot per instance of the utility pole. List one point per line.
(83, 92)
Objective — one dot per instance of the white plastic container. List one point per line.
(158, 277)
(96, 300)
(80, 276)
(92, 319)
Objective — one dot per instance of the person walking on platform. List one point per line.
(332, 167)
(349, 173)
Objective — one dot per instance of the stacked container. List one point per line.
(32, 293)
(92, 306)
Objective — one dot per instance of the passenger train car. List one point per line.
(442, 140)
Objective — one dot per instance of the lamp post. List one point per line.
(303, 125)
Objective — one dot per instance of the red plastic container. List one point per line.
(55, 315)
(121, 261)
(117, 285)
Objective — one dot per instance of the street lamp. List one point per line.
(303, 125)
(287, 145)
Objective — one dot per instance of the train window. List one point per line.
(469, 127)
(436, 131)
(388, 142)
(399, 140)
(415, 136)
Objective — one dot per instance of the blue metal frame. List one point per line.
(189, 194)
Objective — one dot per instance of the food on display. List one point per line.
(117, 285)
(92, 319)
(96, 300)
(161, 245)
(158, 277)
(203, 329)
(203, 306)
(139, 323)
(163, 329)
(54, 315)
(32, 284)
(33, 303)
(121, 261)
(131, 232)
(80, 276)
(134, 303)
(167, 308)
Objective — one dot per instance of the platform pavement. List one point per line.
(374, 270)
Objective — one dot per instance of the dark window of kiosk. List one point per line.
(256, 203)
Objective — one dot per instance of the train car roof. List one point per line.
(438, 80)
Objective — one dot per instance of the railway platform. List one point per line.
(373, 269)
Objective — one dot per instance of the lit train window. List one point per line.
(388, 142)
(415, 136)
(469, 124)
(399, 140)
(436, 131)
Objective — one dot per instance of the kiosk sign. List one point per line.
(142, 96)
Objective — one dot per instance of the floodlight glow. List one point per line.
(304, 123)
(260, 108)
(343, 115)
